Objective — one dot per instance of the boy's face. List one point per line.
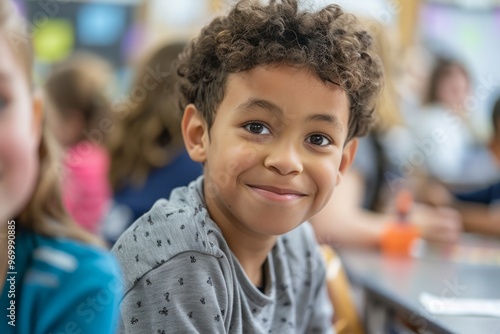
(275, 150)
(19, 135)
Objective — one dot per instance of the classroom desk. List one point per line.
(392, 287)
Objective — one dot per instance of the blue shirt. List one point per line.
(131, 202)
(61, 286)
(487, 195)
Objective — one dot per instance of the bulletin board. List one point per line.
(58, 28)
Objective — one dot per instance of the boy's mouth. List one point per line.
(276, 193)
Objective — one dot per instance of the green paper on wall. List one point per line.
(54, 40)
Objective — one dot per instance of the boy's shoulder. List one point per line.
(171, 227)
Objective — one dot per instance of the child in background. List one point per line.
(148, 158)
(455, 155)
(490, 194)
(273, 98)
(63, 281)
(481, 208)
(79, 116)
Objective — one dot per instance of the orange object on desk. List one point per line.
(399, 236)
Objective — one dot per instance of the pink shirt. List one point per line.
(85, 188)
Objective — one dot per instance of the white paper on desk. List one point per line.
(460, 306)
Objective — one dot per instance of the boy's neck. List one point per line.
(250, 252)
(251, 249)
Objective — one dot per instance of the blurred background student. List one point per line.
(78, 108)
(360, 216)
(59, 268)
(479, 206)
(458, 156)
(148, 158)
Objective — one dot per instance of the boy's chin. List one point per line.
(276, 227)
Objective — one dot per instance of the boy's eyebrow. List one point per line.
(254, 103)
(332, 119)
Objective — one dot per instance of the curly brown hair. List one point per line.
(330, 42)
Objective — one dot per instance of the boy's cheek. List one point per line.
(233, 168)
(239, 158)
(247, 155)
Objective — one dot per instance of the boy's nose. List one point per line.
(285, 159)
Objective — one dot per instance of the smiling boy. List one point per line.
(272, 99)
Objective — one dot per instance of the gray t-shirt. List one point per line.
(181, 276)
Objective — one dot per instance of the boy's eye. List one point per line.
(257, 128)
(319, 140)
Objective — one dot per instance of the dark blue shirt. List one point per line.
(487, 195)
(132, 201)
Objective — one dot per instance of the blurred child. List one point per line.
(481, 207)
(54, 276)
(273, 98)
(80, 118)
(148, 158)
(454, 155)
(481, 210)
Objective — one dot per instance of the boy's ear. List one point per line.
(347, 158)
(194, 133)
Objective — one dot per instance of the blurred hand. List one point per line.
(435, 194)
(440, 224)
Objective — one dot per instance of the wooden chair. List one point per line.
(346, 319)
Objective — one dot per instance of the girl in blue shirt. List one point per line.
(55, 278)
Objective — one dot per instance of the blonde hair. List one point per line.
(148, 135)
(44, 213)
